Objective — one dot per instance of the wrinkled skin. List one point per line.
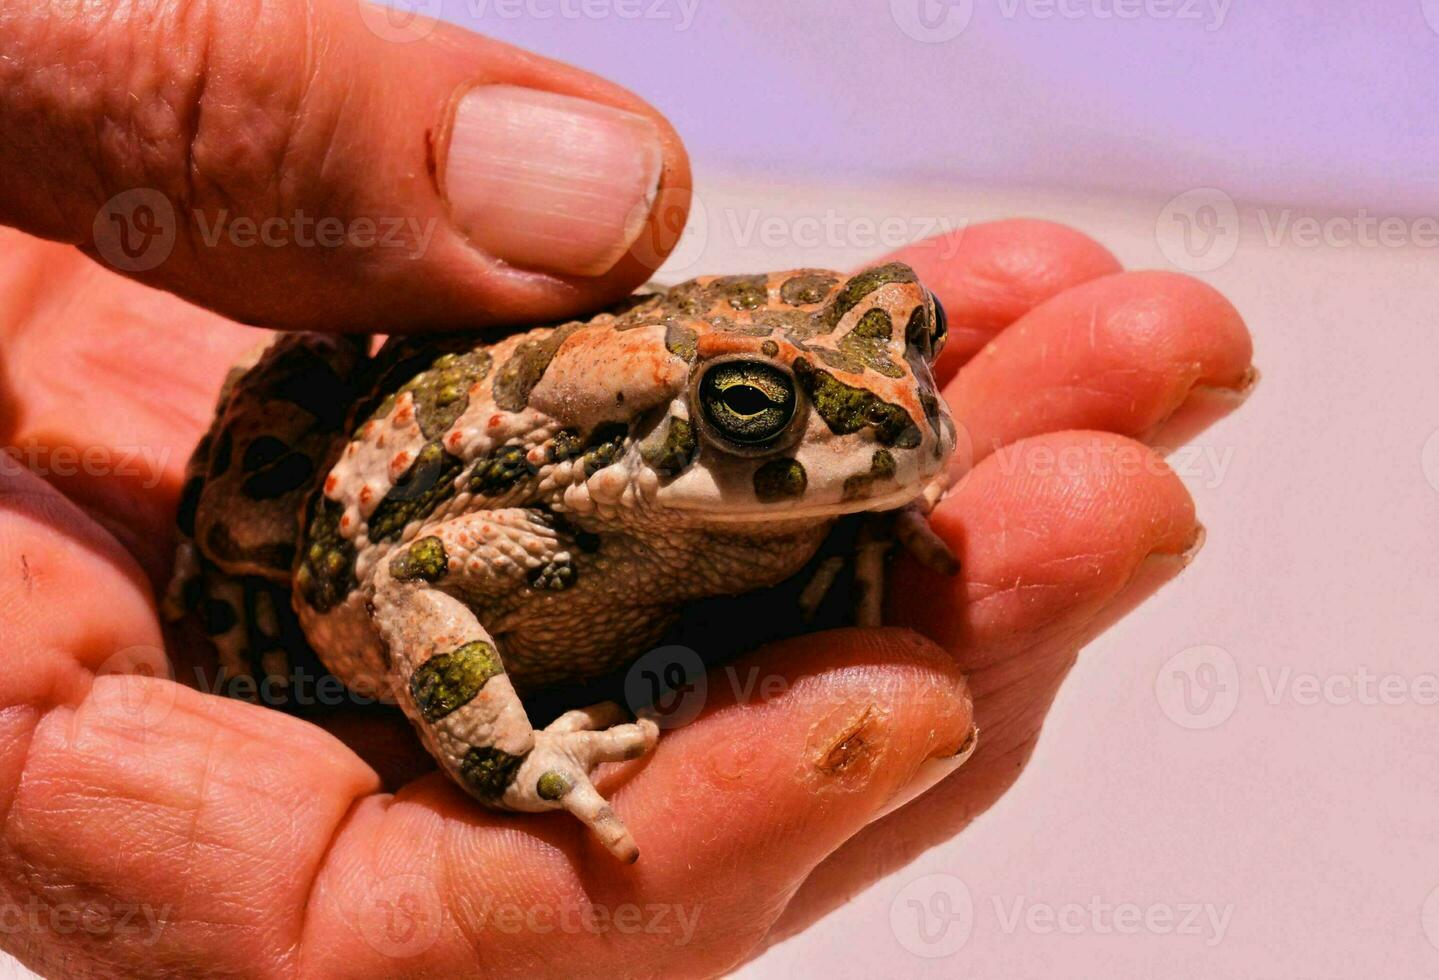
(274, 845)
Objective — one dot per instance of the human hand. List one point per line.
(256, 842)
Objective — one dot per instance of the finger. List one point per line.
(165, 812)
(797, 747)
(989, 275)
(217, 814)
(299, 163)
(1124, 353)
(107, 386)
(1050, 553)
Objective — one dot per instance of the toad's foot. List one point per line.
(910, 527)
(557, 771)
(913, 531)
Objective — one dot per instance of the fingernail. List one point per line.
(1196, 545)
(931, 772)
(549, 182)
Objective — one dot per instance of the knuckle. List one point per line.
(197, 99)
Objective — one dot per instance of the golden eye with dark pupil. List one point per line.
(941, 323)
(747, 401)
(743, 399)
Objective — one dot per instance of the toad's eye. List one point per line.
(928, 326)
(941, 325)
(747, 402)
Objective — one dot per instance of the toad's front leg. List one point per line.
(452, 683)
(911, 528)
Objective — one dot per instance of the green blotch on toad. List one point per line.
(673, 455)
(489, 771)
(553, 785)
(426, 559)
(449, 681)
(846, 409)
(429, 482)
(780, 479)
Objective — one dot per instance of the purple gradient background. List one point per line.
(1312, 102)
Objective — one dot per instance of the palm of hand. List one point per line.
(261, 839)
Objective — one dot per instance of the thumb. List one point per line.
(322, 164)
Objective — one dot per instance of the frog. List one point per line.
(452, 523)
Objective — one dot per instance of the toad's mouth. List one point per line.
(753, 513)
